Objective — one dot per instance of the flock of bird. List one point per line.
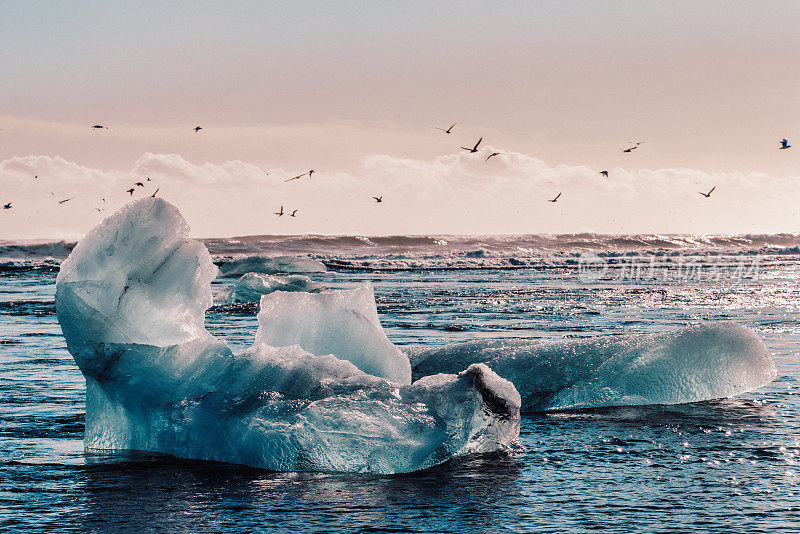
(784, 144)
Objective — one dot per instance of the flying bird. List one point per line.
(148, 179)
(378, 199)
(709, 193)
(65, 200)
(473, 149)
(296, 177)
(131, 191)
(310, 173)
(7, 206)
(493, 154)
(154, 193)
(293, 214)
(632, 148)
(449, 130)
(99, 127)
(555, 199)
(279, 213)
(35, 177)
(604, 173)
(140, 184)
(785, 144)
(197, 129)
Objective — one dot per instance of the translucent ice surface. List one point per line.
(251, 286)
(697, 363)
(131, 300)
(271, 265)
(343, 323)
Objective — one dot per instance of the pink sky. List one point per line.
(355, 90)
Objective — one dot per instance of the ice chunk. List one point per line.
(131, 299)
(251, 286)
(697, 363)
(343, 323)
(271, 265)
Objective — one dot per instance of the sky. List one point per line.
(354, 90)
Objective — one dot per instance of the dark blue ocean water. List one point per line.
(722, 466)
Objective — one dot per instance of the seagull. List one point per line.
(154, 193)
(7, 206)
(148, 179)
(98, 209)
(449, 130)
(493, 154)
(310, 173)
(784, 144)
(473, 149)
(632, 148)
(555, 199)
(130, 191)
(65, 200)
(296, 177)
(378, 199)
(140, 184)
(197, 129)
(279, 213)
(604, 173)
(99, 127)
(293, 213)
(709, 193)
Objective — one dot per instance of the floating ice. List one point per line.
(697, 363)
(316, 323)
(271, 265)
(251, 286)
(131, 300)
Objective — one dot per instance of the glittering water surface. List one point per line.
(723, 466)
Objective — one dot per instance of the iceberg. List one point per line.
(251, 286)
(131, 301)
(697, 363)
(270, 265)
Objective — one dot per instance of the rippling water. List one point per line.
(728, 465)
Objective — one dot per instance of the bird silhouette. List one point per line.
(604, 173)
(473, 149)
(7, 206)
(131, 191)
(197, 129)
(65, 200)
(140, 184)
(449, 130)
(296, 177)
(293, 214)
(709, 193)
(493, 154)
(784, 144)
(279, 213)
(378, 199)
(632, 148)
(35, 177)
(154, 193)
(148, 179)
(310, 173)
(99, 127)
(555, 199)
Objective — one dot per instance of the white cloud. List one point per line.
(453, 193)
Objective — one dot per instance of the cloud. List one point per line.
(456, 193)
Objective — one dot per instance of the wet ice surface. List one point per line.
(727, 465)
